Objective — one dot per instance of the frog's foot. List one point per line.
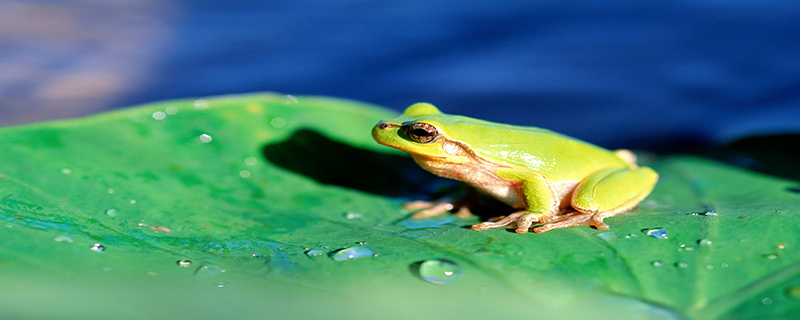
(429, 209)
(524, 221)
(502, 222)
(573, 218)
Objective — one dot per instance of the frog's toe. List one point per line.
(504, 221)
(430, 209)
(597, 222)
(427, 209)
(525, 222)
(563, 221)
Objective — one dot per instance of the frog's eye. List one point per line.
(421, 132)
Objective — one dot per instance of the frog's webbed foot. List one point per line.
(573, 218)
(429, 209)
(524, 221)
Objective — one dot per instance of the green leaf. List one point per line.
(257, 194)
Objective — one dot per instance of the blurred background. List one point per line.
(617, 73)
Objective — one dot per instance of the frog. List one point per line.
(550, 180)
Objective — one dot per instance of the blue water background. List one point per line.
(643, 74)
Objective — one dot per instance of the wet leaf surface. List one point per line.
(266, 205)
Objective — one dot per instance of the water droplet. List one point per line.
(244, 174)
(200, 104)
(112, 212)
(440, 271)
(278, 122)
(66, 170)
(709, 267)
(681, 265)
(352, 215)
(741, 217)
(133, 201)
(781, 246)
(221, 285)
(250, 161)
(159, 115)
(110, 191)
(204, 138)
(98, 247)
(184, 263)
(793, 292)
(767, 301)
(709, 213)
(209, 270)
(171, 110)
(66, 239)
(684, 247)
(314, 253)
(704, 242)
(658, 233)
(657, 263)
(607, 236)
(771, 256)
(352, 253)
(724, 265)
(632, 235)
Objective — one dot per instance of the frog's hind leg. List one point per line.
(610, 192)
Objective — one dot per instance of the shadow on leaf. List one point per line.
(330, 162)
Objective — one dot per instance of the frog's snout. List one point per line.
(381, 133)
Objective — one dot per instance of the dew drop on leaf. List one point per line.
(204, 138)
(771, 256)
(658, 233)
(209, 270)
(112, 212)
(314, 253)
(657, 263)
(184, 263)
(681, 265)
(440, 271)
(704, 242)
(67, 239)
(352, 253)
(200, 104)
(607, 236)
(352, 215)
(159, 115)
(278, 122)
(98, 247)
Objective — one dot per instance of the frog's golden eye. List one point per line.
(421, 132)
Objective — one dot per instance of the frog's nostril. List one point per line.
(383, 126)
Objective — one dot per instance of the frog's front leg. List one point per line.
(537, 197)
(606, 193)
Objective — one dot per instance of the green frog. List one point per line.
(551, 180)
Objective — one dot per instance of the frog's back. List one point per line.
(552, 154)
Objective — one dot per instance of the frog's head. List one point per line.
(421, 131)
